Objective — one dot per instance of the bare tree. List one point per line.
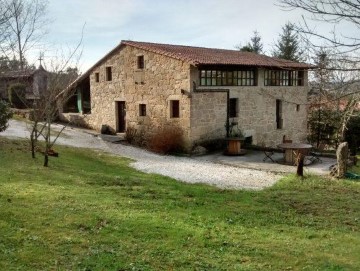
(3, 18)
(54, 92)
(22, 27)
(334, 100)
(331, 12)
(344, 60)
(3, 21)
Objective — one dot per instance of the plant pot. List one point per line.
(234, 146)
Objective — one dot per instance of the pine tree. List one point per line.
(255, 45)
(288, 45)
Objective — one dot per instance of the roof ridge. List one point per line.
(184, 56)
(187, 46)
(142, 45)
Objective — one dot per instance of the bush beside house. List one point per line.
(5, 115)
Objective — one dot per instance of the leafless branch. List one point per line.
(23, 28)
(331, 12)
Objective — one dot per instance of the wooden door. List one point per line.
(121, 117)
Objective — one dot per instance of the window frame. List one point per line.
(108, 73)
(140, 63)
(233, 107)
(282, 77)
(238, 76)
(97, 77)
(174, 104)
(142, 110)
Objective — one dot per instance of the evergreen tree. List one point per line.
(255, 45)
(5, 115)
(14, 64)
(288, 46)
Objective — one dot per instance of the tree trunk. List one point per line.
(300, 165)
(33, 138)
(47, 143)
(32, 144)
(46, 159)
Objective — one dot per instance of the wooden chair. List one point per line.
(314, 156)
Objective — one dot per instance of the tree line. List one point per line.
(288, 45)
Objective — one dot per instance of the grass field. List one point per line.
(91, 211)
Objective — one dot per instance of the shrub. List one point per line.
(167, 139)
(130, 134)
(323, 127)
(5, 115)
(352, 135)
(16, 93)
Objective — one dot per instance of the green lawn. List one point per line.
(91, 211)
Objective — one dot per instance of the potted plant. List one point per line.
(235, 140)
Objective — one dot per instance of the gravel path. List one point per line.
(181, 168)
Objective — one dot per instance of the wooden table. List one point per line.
(292, 150)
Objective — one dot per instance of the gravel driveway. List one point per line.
(181, 168)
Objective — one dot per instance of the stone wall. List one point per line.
(208, 115)
(76, 119)
(156, 85)
(256, 112)
(202, 114)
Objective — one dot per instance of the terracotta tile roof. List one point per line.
(212, 56)
(20, 74)
(201, 56)
(16, 74)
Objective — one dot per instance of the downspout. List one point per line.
(227, 91)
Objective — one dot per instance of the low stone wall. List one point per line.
(24, 113)
(77, 119)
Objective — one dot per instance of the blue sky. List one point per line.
(208, 23)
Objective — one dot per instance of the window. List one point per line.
(300, 78)
(97, 77)
(140, 62)
(279, 121)
(297, 108)
(108, 74)
(174, 109)
(284, 78)
(227, 78)
(142, 110)
(233, 107)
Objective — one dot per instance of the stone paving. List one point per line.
(254, 160)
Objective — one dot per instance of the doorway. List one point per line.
(121, 117)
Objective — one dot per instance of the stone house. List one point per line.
(34, 80)
(147, 85)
